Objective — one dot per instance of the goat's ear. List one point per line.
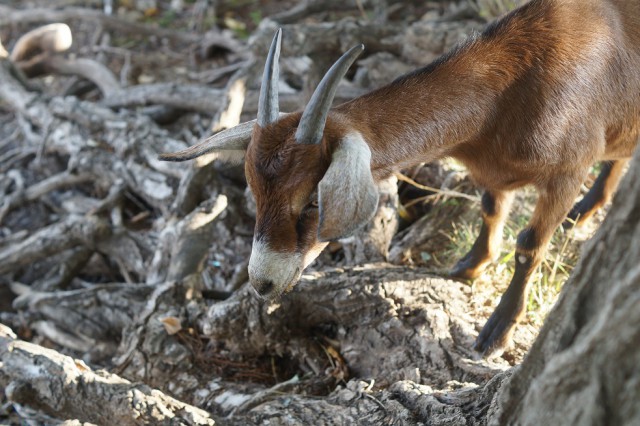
(347, 194)
(228, 145)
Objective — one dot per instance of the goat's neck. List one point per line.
(422, 117)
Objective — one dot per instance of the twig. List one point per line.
(116, 192)
(69, 268)
(89, 69)
(213, 75)
(63, 235)
(185, 96)
(190, 97)
(39, 189)
(267, 394)
(446, 192)
(19, 99)
(11, 157)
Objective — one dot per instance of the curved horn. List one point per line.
(268, 101)
(315, 114)
(234, 139)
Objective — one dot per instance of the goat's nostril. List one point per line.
(263, 287)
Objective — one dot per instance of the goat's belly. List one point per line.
(502, 179)
(621, 148)
(621, 140)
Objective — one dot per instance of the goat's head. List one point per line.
(309, 172)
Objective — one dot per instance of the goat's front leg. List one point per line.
(599, 194)
(554, 202)
(495, 209)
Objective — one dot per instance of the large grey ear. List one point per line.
(347, 194)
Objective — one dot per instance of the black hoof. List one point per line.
(495, 335)
(466, 269)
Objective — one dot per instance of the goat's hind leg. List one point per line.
(599, 194)
(554, 202)
(495, 208)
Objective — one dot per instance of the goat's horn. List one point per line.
(268, 101)
(315, 114)
(234, 139)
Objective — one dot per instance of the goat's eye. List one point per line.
(313, 200)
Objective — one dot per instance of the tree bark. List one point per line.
(53, 383)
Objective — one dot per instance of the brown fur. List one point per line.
(283, 176)
(535, 99)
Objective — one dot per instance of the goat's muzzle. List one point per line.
(271, 273)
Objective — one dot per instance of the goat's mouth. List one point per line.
(278, 290)
(296, 277)
(287, 287)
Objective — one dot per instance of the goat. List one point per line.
(535, 99)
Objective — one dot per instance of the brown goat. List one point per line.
(536, 99)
